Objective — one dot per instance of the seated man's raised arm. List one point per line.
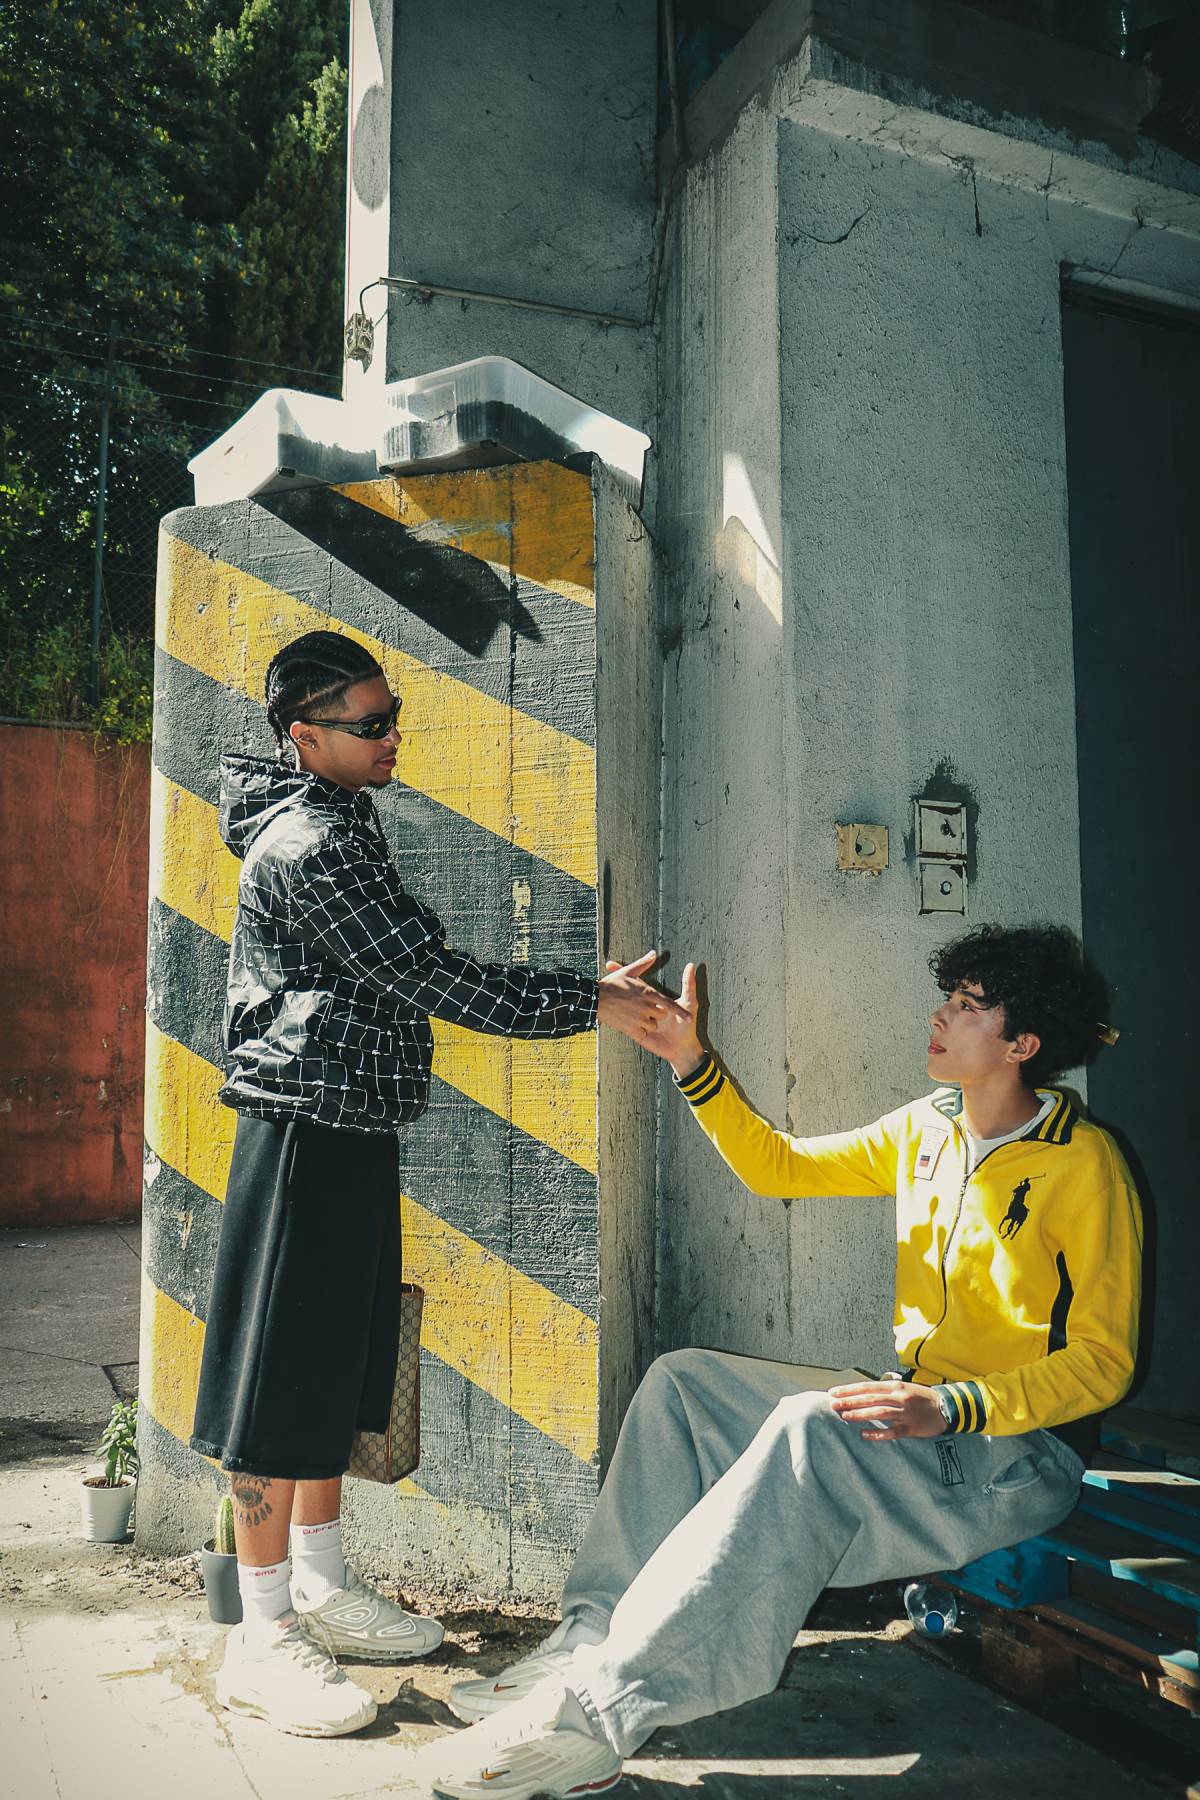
(769, 1161)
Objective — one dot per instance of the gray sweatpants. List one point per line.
(735, 1496)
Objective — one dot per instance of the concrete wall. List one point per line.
(508, 150)
(73, 821)
(724, 836)
(478, 593)
(628, 762)
(862, 390)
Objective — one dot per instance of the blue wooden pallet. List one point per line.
(1134, 1539)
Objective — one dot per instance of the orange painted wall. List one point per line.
(74, 817)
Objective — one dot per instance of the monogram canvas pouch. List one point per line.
(390, 1455)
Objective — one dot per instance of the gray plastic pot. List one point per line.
(221, 1586)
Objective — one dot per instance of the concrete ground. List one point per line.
(107, 1655)
(69, 1299)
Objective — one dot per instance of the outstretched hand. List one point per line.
(675, 1037)
(633, 1006)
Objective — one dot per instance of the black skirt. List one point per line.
(304, 1314)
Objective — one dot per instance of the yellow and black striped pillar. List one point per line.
(511, 608)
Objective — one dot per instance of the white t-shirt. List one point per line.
(978, 1148)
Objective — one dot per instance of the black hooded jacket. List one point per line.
(334, 971)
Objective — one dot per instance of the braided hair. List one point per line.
(315, 669)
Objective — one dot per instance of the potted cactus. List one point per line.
(107, 1499)
(218, 1561)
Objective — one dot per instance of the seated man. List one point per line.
(739, 1490)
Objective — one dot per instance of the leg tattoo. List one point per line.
(250, 1499)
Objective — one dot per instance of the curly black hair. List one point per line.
(316, 668)
(1046, 985)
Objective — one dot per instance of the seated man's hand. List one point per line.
(674, 1036)
(633, 1006)
(889, 1409)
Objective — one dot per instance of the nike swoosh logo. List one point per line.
(492, 1774)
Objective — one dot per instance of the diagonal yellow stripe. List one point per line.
(533, 519)
(545, 1087)
(529, 1349)
(168, 1360)
(190, 868)
(186, 1125)
(553, 531)
(470, 509)
(514, 776)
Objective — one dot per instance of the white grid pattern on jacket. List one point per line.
(335, 971)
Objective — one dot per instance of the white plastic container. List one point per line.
(494, 410)
(287, 439)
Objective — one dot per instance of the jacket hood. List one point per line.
(255, 790)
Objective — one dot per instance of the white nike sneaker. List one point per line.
(522, 1752)
(489, 1694)
(356, 1621)
(291, 1684)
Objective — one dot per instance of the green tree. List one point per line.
(281, 72)
(109, 112)
(173, 175)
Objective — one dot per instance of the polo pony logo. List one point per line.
(1017, 1212)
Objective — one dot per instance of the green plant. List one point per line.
(223, 1542)
(45, 675)
(118, 1445)
(125, 707)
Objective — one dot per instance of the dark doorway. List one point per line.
(1132, 382)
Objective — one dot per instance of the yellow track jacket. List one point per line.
(1017, 1286)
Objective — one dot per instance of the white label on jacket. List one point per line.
(928, 1151)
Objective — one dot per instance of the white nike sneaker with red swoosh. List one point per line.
(521, 1752)
(481, 1699)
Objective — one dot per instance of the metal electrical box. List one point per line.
(941, 829)
(940, 834)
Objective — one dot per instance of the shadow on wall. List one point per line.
(1149, 1249)
(455, 594)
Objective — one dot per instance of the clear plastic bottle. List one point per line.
(932, 1608)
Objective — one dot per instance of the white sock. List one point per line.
(266, 1598)
(318, 1566)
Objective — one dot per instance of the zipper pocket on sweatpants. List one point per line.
(1002, 1487)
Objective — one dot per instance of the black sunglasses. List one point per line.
(371, 725)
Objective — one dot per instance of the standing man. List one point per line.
(334, 972)
(739, 1489)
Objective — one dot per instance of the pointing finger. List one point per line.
(638, 967)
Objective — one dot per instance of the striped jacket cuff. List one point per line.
(968, 1410)
(702, 1084)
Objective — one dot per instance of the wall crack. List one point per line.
(793, 237)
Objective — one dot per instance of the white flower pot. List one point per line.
(106, 1510)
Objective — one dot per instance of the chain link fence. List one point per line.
(95, 436)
